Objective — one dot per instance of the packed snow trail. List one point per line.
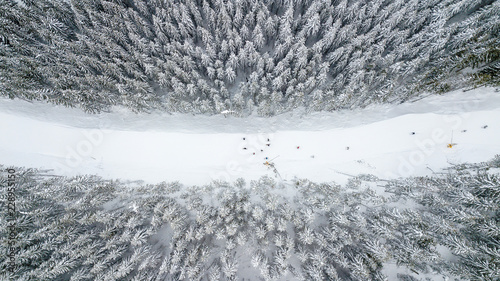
(197, 149)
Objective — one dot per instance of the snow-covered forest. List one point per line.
(88, 228)
(270, 56)
(251, 140)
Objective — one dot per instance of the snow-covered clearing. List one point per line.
(197, 149)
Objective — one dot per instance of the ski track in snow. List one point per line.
(197, 149)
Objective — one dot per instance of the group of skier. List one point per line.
(262, 150)
(270, 164)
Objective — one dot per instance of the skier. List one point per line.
(451, 144)
(271, 166)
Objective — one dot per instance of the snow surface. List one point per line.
(194, 150)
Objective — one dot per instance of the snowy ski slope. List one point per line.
(197, 149)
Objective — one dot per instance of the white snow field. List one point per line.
(194, 150)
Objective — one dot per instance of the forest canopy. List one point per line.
(205, 57)
(89, 228)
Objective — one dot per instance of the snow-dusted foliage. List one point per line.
(204, 56)
(87, 228)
